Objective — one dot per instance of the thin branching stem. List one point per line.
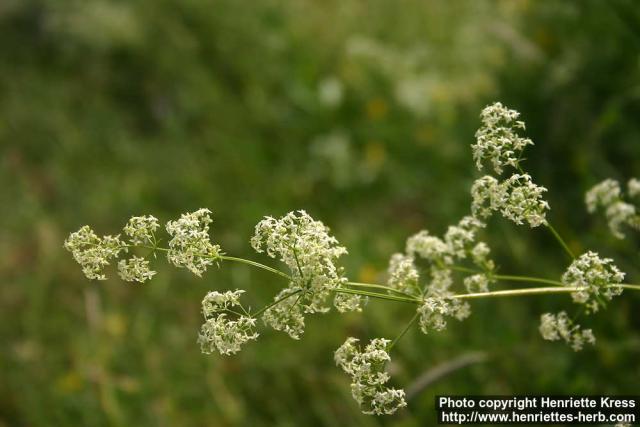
(227, 258)
(629, 286)
(342, 290)
(278, 301)
(405, 330)
(560, 240)
(517, 292)
(526, 279)
(402, 297)
(463, 269)
(375, 286)
(254, 264)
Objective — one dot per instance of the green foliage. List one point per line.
(360, 113)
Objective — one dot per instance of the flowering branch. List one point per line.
(421, 275)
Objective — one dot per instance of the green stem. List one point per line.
(518, 292)
(526, 279)
(227, 258)
(508, 277)
(404, 331)
(377, 295)
(629, 286)
(558, 286)
(295, 255)
(278, 301)
(464, 269)
(254, 264)
(371, 285)
(560, 240)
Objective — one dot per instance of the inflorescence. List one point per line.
(425, 274)
(608, 196)
(219, 332)
(310, 253)
(368, 376)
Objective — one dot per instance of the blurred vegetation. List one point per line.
(359, 112)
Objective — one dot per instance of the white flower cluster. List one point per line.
(593, 275)
(460, 238)
(459, 243)
(344, 302)
(435, 310)
(477, 283)
(135, 269)
(555, 327)
(219, 332)
(608, 196)
(517, 198)
(428, 247)
(603, 194)
(633, 187)
(190, 246)
(287, 315)
(403, 274)
(368, 377)
(310, 252)
(497, 140)
(141, 229)
(93, 253)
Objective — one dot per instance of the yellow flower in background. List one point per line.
(375, 155)
(377, 109)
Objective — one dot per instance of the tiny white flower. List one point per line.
(286, 316)
(460, 238)
(330, 92)
(432, 314)
(216, 301)
(345, 303)
(524, 202)
(476, 283)
(517, 198)
(554, 327)
(135, 269)
(602, 194)
(92, 252)
(141, 229)
(607, 195)
(368, 377)
(225, 330)
(480, 256)
(618, 214)
(441, 281)
(403, 274)
(497, 140)
(633, 187)
(487, 196)
(429, 247)
(311, 253)
(593, 276)
(190, 246)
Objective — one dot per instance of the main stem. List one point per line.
(376, 295)
(560, 240)
(229, 258)
(278, 301)
(406, 298)
(405, 330)
(254, 264)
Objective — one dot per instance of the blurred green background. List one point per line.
(362, 113)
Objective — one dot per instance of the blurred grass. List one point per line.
(359, 112)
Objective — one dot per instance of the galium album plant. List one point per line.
(436, 276)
